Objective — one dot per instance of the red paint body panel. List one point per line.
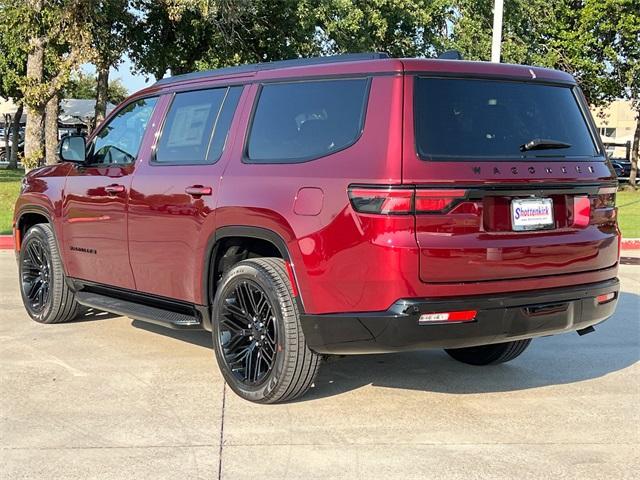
(155, 238)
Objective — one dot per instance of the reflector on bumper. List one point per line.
(447, 317)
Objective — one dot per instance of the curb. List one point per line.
(630, 244)
(6, 243)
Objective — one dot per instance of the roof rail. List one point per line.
(256, 67)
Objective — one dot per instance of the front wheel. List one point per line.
(257, 336)
(489, 354)
(45, 293)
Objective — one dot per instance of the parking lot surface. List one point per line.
(110, 397)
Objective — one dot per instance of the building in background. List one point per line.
(616, 124)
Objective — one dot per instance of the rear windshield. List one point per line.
(465, 118)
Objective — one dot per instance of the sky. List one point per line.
(129, 79)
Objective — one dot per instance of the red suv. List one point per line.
(336, 205)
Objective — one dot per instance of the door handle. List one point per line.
(114, 188)
(198, 190)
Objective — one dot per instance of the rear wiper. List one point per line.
(543, 144)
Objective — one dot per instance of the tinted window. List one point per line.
(304, 120)
(118, 142)
(193, 117)
(484, 118)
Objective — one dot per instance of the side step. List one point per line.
(139, 311)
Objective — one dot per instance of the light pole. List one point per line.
(498, 7)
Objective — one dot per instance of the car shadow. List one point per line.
(201, 338)
(91, 314)
(555, 360)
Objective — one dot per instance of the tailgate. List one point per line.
(475, 240)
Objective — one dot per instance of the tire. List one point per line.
(243, 350)
(43, 287)
(489, 354)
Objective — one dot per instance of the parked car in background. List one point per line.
(338, 205)
(622, 167)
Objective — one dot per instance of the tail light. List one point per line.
(403, 201)
(435, 201)
(603, 206)
(606, 198)
(384, 201)
(581, 211)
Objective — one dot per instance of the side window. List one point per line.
(296, 122)
(118, 141)
(196, 126)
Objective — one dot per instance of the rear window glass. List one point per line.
(295, 122)
(486, 118)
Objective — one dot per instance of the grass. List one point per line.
(629, 213)
(628, 205)
(9, 189)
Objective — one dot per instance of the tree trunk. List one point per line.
(6, 120)
(102, 91)
(15, 137)
(51, 129)
(34, 133)
(635, 153)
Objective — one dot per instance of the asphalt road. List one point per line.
(109, 397)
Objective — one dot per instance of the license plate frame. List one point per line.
(539, 217)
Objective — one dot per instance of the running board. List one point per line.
(138, 311)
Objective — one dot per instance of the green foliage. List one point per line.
(402, 28)
(55, 25)
(82, 85)
(109, 24)
(186, 35)
(13, 61)
(598, 41)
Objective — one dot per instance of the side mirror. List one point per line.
(73, 148)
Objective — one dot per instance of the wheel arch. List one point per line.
(27, 218)
(249, 233)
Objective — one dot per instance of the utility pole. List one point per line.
(498, 8)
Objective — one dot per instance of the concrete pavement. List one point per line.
(108, 397)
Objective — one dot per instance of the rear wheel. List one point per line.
(257, 337)
(489, 354)
(45, 293)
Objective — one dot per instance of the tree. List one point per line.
(175, 35)
(82, 85)
(13, 66)
(109, 24)
(597, 41)
(54, 29)
(402, 28)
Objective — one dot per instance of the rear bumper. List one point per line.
(500, 318)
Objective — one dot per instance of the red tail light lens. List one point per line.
(581, 211)
(430, 201)
(403, 201)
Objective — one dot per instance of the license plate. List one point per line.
(531, 214)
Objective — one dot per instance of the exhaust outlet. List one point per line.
(584, 331)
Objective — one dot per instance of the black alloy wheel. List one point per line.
(248, 332)
(46, 294)
(257, 336)
(36, 275)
